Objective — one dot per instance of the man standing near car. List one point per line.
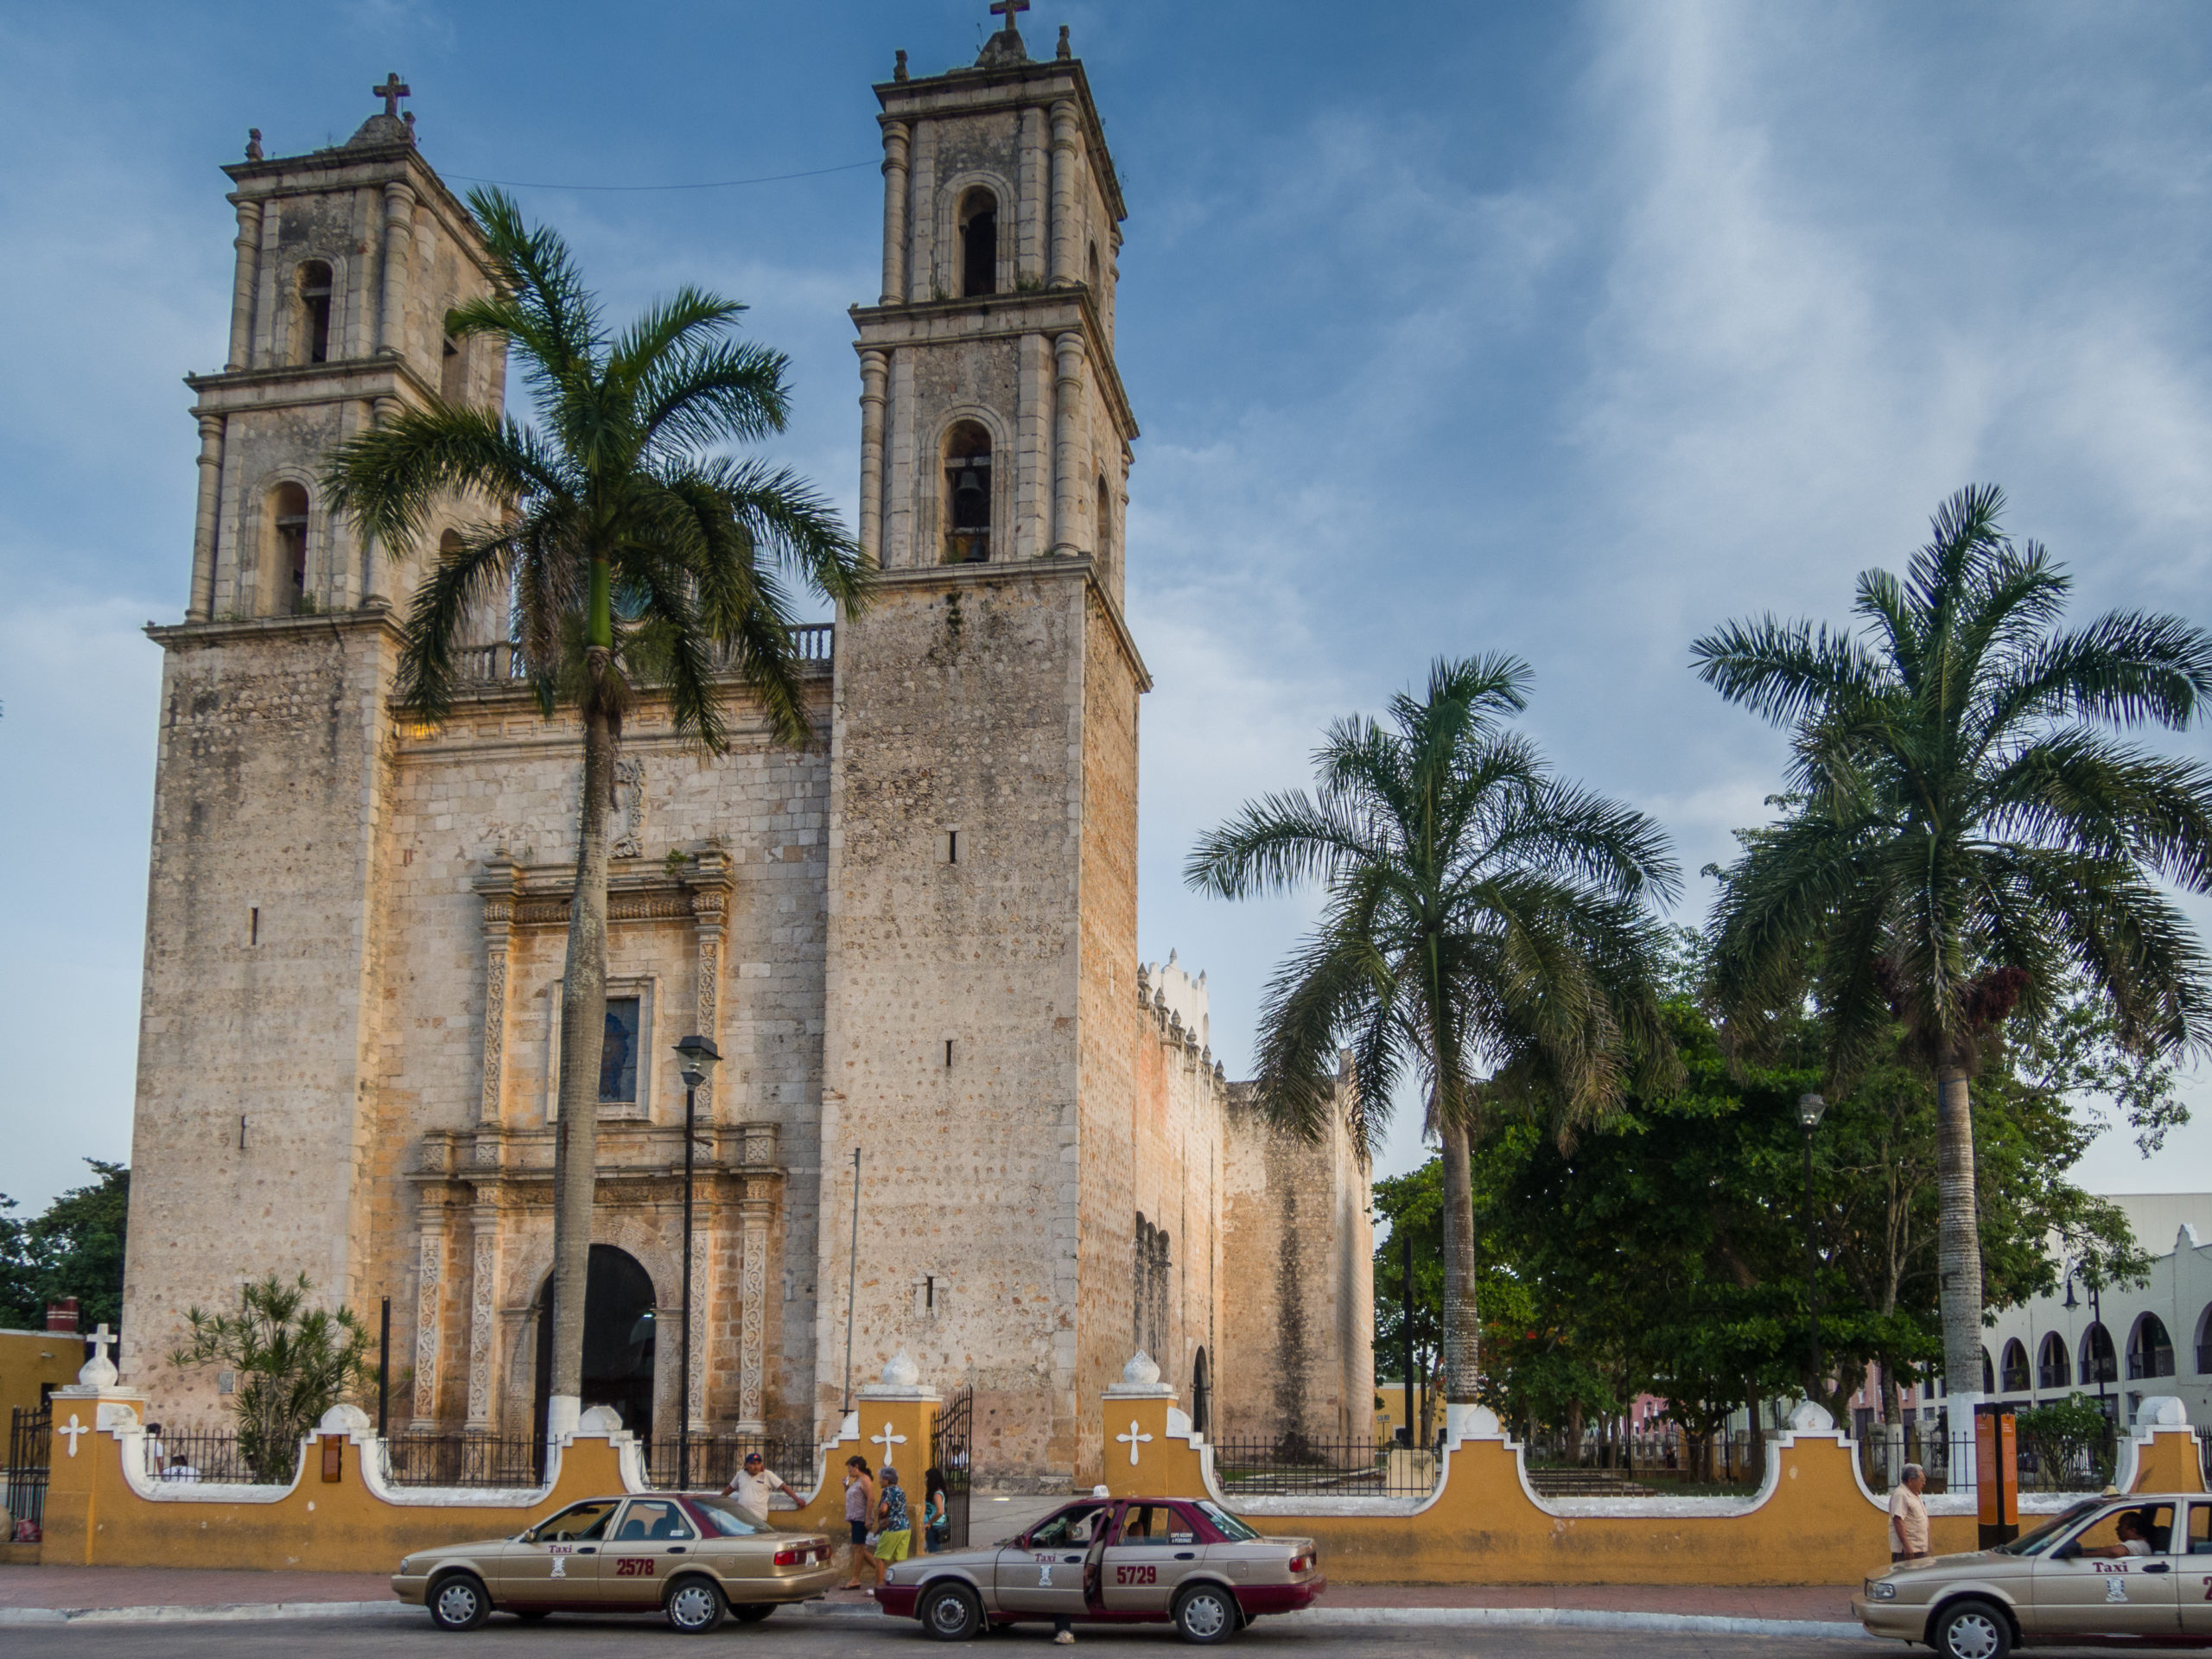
(753, 1485)
(1909, 1517)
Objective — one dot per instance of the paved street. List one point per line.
(825, 1637)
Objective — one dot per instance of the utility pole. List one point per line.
(1406, 1308)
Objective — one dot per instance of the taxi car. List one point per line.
(2136, 1569)
(1178, 1560)
(694, 1558)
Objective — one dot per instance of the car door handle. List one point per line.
(1070, 1559)
(1185, 1555)
(588, 1550)
(2159, 1566)
(676, 1549)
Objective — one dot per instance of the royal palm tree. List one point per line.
(1961, 841)
(623, 551)
(1480, 913)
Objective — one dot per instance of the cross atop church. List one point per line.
(394, 89)
(1007, 9)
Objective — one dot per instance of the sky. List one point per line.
(1568, 331)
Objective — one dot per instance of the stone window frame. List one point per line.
(936, 505)
(290, 350)
(646, 989)
(262, 585)
(952, 252)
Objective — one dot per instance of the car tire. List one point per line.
(458, 1602)
(949, 1612)
(753, 1613)
(695, 1606)
(1971, 1629)
(1206, 1613)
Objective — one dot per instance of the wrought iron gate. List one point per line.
(951, 1453)
(30, 1459)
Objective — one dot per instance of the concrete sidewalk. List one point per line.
(117, 1594)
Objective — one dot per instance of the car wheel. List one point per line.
(753, 1613)
(1971, 1629)
(694, 1605)
(1205, 1612)
(458, 1602)
(951, 1613)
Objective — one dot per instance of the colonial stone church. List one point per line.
(915, 941)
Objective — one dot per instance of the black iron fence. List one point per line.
(951, 1454)
(1666, 1460)
(211, 1457)
(429, 1458)
(1299, 1466)
(716, 1458)
(2053, 1463)
(30, 1459)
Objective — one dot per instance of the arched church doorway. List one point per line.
(619, 1342)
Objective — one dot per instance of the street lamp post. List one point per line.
(1809, 1107)
(699, 1057)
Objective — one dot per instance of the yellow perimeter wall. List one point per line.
(29, 1359)
(1813, 1523)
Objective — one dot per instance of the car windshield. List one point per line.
(728, 1520)
(1228, 1526)
(574, 1524)
(2034, 1543)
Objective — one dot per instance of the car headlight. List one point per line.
(1881, 1590)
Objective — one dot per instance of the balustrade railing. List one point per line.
(505, 665)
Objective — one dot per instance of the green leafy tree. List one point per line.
(1412, 1204)
(1480, 910)
(627, 552)
(2062, 1437)
(1962, 839)
(293, 1362)
(73, 1248)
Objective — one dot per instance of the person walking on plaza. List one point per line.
(894, 1537)
(1909, 1517)
(936, 1531)
(753, 1484)
(860, 1505)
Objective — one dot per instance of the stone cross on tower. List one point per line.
(1008, 8)
(394, 89)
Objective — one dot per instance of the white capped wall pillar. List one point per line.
(895, 186)
(203, 524)
(1067, 460)
(1066, 141)
(398, 249)
(244, 283)
(875, 368)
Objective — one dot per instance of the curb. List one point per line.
(1582, 1618)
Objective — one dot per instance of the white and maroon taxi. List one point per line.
(1107, 1560)
(693, 1558)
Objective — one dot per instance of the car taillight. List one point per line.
(792, 1557)
(1302, 1561)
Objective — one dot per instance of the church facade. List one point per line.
(957, 1116)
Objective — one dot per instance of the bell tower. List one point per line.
(980, 1019)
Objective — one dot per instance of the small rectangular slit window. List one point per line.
(948, 1053)
(253, 925)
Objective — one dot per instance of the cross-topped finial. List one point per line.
(1008, 8)
(394, 89)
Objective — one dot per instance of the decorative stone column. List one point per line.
(709, 896)
(875, 368)
(894, 212)
(399, 252)
(755, 1209)
(243, 285)
(1067, 411)
(430, 1296)
(483, 1316)
(376, 568)
(497, 884)
(1065, 148)
(203, 524)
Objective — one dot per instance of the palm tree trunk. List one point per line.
(583, 1034)
(1958, 1240)
(1462, 1329)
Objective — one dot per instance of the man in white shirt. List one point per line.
(1909, 1517)
(753, 1484)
